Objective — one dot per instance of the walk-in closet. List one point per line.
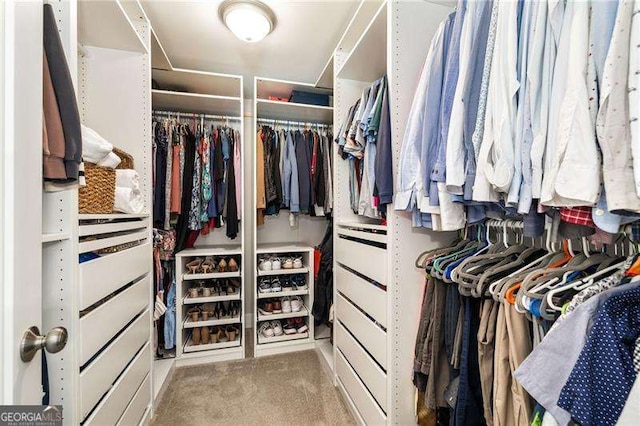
(240, 212)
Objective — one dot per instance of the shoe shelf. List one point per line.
(197, 300)
(188, 323)
(279, 294)
(285, 337)
(283, 272)
(211, 276)
(190, 347)
(304, 312)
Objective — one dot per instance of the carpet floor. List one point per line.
(289, 389)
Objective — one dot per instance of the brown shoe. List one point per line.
(205, 335)
(233, 265)
(222, 265)
(194, 314)
(267, 308)
(215, 334)
(195, 336)
(277, 306)
(232, 332)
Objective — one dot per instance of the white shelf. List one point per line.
(359, 22)
(362, 225)
(106, 24)
(159, 58)
(279, 294)
(161, 370)
(326, 76)
(270, 317)
(111, 216)
(283, 248)
(197, 300)
(187, 323)
(211, 251)
(212, 276)
(283, 272)
(278, 110)
(368, 59)
(284, 338)
(55, 236)
(196, 103)
(266, 87)
(201, 82)
(190, 347)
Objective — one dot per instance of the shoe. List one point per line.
(287, 263)
(222, 265)
(297, 263)
(215, 334)
(287, 285)
(275, 285)
(208, 265)
(235, 309)
(206, 315)
(290, 327)
(224, 312)
(265, 329)
(264, 286)
(232, 332)
(193, 292)
(195, 336)
(277, 307)
(194, 266)
(296, 304)
(301, 326)
(234, 282)
(216, 310)
(205, 335)
(230, 288)
(266, 309)
(194, 314)
(206, 292)
(276, 263)
(265, 264)
(286, 305)
(232, 265)
(299, 282)
(277, 328)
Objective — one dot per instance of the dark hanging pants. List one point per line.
(182, 227)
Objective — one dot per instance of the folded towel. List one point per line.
(127, 178)
(111, 161)
(94, 146)
(128, 201)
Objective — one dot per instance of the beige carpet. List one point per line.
(290, 389)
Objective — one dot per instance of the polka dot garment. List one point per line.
(601, 380)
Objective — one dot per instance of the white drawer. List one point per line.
(134, 413)
(104, 275)
(368, 334)
(123, 390)
(366, 259)
(369, 372)
(358, 393)
(100, 325)
(97, 378)
(370, 298)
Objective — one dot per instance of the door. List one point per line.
(20, 196)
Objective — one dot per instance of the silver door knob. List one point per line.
(32, 342)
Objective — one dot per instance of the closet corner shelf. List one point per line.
(283, 272)
(182, 80)
(106, 24)
(279, 294)
(212, 276)
(277, 110)
(187, 323)
(55, 237)
(190, 347)
(209, 299)
(196, 103)
(285, 337)
(368, 58)
(302, 313)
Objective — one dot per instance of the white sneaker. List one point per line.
(265, 264)
(301, 326)
(288, 263)
(296, 304)
(265, 329)
(286, 305)
(297, 263)
(277, 328)
(276, 263)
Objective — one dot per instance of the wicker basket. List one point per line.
(99, 194)
(126, 159)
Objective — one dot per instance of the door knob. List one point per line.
(32, 342)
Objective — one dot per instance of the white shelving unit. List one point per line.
(287, 342)
(375, 310)
(187, 352)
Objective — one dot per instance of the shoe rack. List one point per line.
(298, 341)
(209, 302)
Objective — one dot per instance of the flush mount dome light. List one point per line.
(249, 20)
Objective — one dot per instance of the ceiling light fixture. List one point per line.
(249, 20)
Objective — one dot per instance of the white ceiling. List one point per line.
(306, 33)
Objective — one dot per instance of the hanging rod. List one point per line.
(194, 115)
(292, 123)
(510, 223)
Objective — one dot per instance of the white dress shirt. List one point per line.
(634, 92)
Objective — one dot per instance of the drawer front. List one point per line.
(123, 391)
(366, 259)
(372, 337)
(97, 378)
(369, 372)
(101, 277)
(134, 413)
(104, 322)
(370, 298)
(360, 396)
